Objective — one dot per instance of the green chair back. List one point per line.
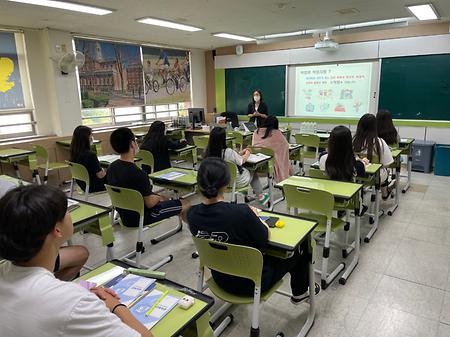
(41, 152)
(126, 198)
(79, 172)
(308, 141)
(201, 141)
(146, 159)
(232, 167)
(317, 173)
(238, 138)
(241, 261)
(309, 199)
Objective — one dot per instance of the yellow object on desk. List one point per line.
(157, 303)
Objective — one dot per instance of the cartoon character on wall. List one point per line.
(346, 94)
(357, 105)
(6, 70)
(324, 107)
(339, 108)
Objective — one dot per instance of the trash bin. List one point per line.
(422, 154)
(442, 160)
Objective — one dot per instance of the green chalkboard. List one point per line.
(416, 87)
(240, 83)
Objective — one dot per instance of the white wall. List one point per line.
(56, 97)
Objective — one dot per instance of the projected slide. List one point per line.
(333, 90)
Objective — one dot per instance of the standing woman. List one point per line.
(257, 109)
(81, 153)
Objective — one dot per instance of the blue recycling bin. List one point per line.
(442, 160)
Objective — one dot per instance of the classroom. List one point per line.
(237, 168)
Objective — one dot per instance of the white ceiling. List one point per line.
(244, 17)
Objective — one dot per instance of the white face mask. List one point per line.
(256, 98)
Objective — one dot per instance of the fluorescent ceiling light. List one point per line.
(235, 37)
(289, 34)
(168, 24)
(423, 12)
(370, 23)
(70, 6)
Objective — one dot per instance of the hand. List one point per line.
(162, 198)
(244, 152)
(108, 296)
(365, 161)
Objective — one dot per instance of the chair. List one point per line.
(268, 170)
(146, 159)
(201, 142)
(241, 261)
(238, 139)
(309, 141)
(47, 166)
(322, 204)
(232, 188)
(132, 200)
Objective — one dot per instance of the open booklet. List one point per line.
(109, 158)
(256, 158)
(171, 175)
(148, 304)
(72, 205)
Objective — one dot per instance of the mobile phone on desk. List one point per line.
(269, 220)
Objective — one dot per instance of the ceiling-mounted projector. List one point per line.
(327, 44)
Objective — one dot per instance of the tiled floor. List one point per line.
(401, 286)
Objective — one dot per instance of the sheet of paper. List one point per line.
(131, 287)
(106, 276)
(140, 309)
(109, 158)
(171, 175)
(256, 158)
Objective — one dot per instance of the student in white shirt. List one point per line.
(366, 141)
(34, 224)
(217, 147)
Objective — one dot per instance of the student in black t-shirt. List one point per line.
(81, 153)
(238, 224)
(160, 145)
(124, 173)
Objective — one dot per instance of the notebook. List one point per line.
(132, 287)
(171, 175)
(256, 158)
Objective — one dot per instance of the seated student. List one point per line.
(386, 129)
(159, 145)
(124, 173)
(217, 147)
(70, 259)
(238, 224)
(35, 223)
(340, 162)
(269, 136)
(81, 153)
(366, 141)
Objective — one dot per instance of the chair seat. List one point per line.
(53, 166)
(238, 299)
(336, 223)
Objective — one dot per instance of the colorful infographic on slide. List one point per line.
(333, 90)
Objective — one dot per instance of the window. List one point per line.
(16, 108)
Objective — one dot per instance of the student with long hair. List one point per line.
(367, 142)
(238, 224)
(340, 162)
(257, 109)
(34, 224)
(268, 135)
(160, 145)
(386, 129)
(217, 147)
(81, 153)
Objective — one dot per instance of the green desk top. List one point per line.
(14, 180)
(396, 153)
(293, 232)
(184, 149)
(12, 152)
(338, 188)
(294, 147)
(139, 134)
(229, 138)
(406, 141)
(373, 168)
(189, 179)
(87, 212)
(177, 319)
(67, 142)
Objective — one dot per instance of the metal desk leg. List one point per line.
(353, 264)
(376, 215)
(397, 191)
(409, 166)
(16, 169)
(312, 301)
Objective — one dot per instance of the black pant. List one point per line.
(274, 270)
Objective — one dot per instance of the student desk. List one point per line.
(185, 184)
(263, 163)
(373, 180)
(96, 146)
(139, 134)
(397, 166)
(94, 219)
(177, 321)
(285, 241)
(14, 156)
(295, 151)
(189, 153)
(108, 159)
(405, 145)
(341, 190)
